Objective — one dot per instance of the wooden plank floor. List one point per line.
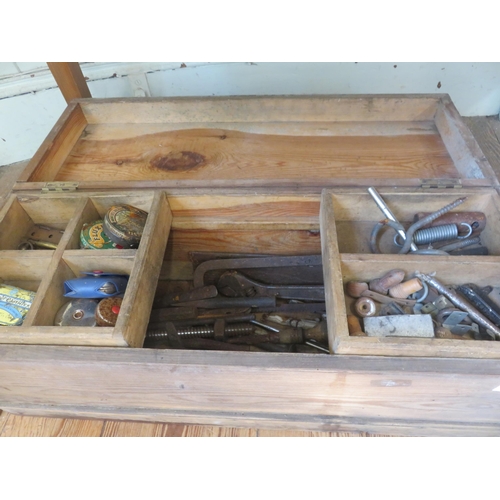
(487, 132)
(21, 426)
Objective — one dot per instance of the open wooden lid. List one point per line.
(286, 142)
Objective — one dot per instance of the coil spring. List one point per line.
(437, 233)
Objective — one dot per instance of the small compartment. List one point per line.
(96, 206)
(34, 221)
(26, 271)
(207, 228)
(449, 271)
(72, 265)
(341, 267)
(142, 265)
(356, 214)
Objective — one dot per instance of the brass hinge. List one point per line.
(59, 187)
(441, 183)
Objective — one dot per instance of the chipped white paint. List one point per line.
(30, 105)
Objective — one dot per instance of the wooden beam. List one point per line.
(70, 79)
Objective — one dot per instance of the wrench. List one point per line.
(235, 284)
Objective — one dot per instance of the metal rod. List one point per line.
(387, 212)
(311, 343)
(263, 325)
(460, 303)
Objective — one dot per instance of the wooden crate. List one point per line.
(246, 174)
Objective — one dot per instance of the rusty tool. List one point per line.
(472, 293)
(220, 302)
(388, 213)
(426, 220)
(201, 344)
(198, 258)
(42, 237)
(252, 263)
(204, 292)
(173, 314)
(477, 220)
(155, 325)
(235, 284)
(236, 329)
(314, 344)
(310, 307)
(288, 336)
(462, 304)
(384, 299)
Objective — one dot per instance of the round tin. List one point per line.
(107, 311)
(14, 304)
(78, 312)
(93, 236)
(124, 225)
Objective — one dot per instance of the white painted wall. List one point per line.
(30, 101)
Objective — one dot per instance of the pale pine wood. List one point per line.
(21, 426)
(25, 426)
(55, 148)
(119, 131)
(255, 156)
(132, 429)
(212, 431)
(355, 214)
(331, 393)
(486, 130)
(482, 271)
(337, 427)
(138, 300)
(281, 242)
(14, 223)
(335, 305)
(8, 177)
(461, 144)
(67, 336)
(344, 108)
(445, 392)
(70, 80)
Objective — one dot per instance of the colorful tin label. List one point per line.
(14, 304)
(124, 225)
(93, 236)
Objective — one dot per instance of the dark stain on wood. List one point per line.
(178, 161)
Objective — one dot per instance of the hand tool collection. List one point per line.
(422, 306)
(245, 302)
(438, 233)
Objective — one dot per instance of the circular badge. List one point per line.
(93, 236)
(107, 311)
(78, 312)
(124, 225)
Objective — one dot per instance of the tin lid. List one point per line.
(79, 312)
(93, 236)
(107, 311)
(124, 225)
(14, 304)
